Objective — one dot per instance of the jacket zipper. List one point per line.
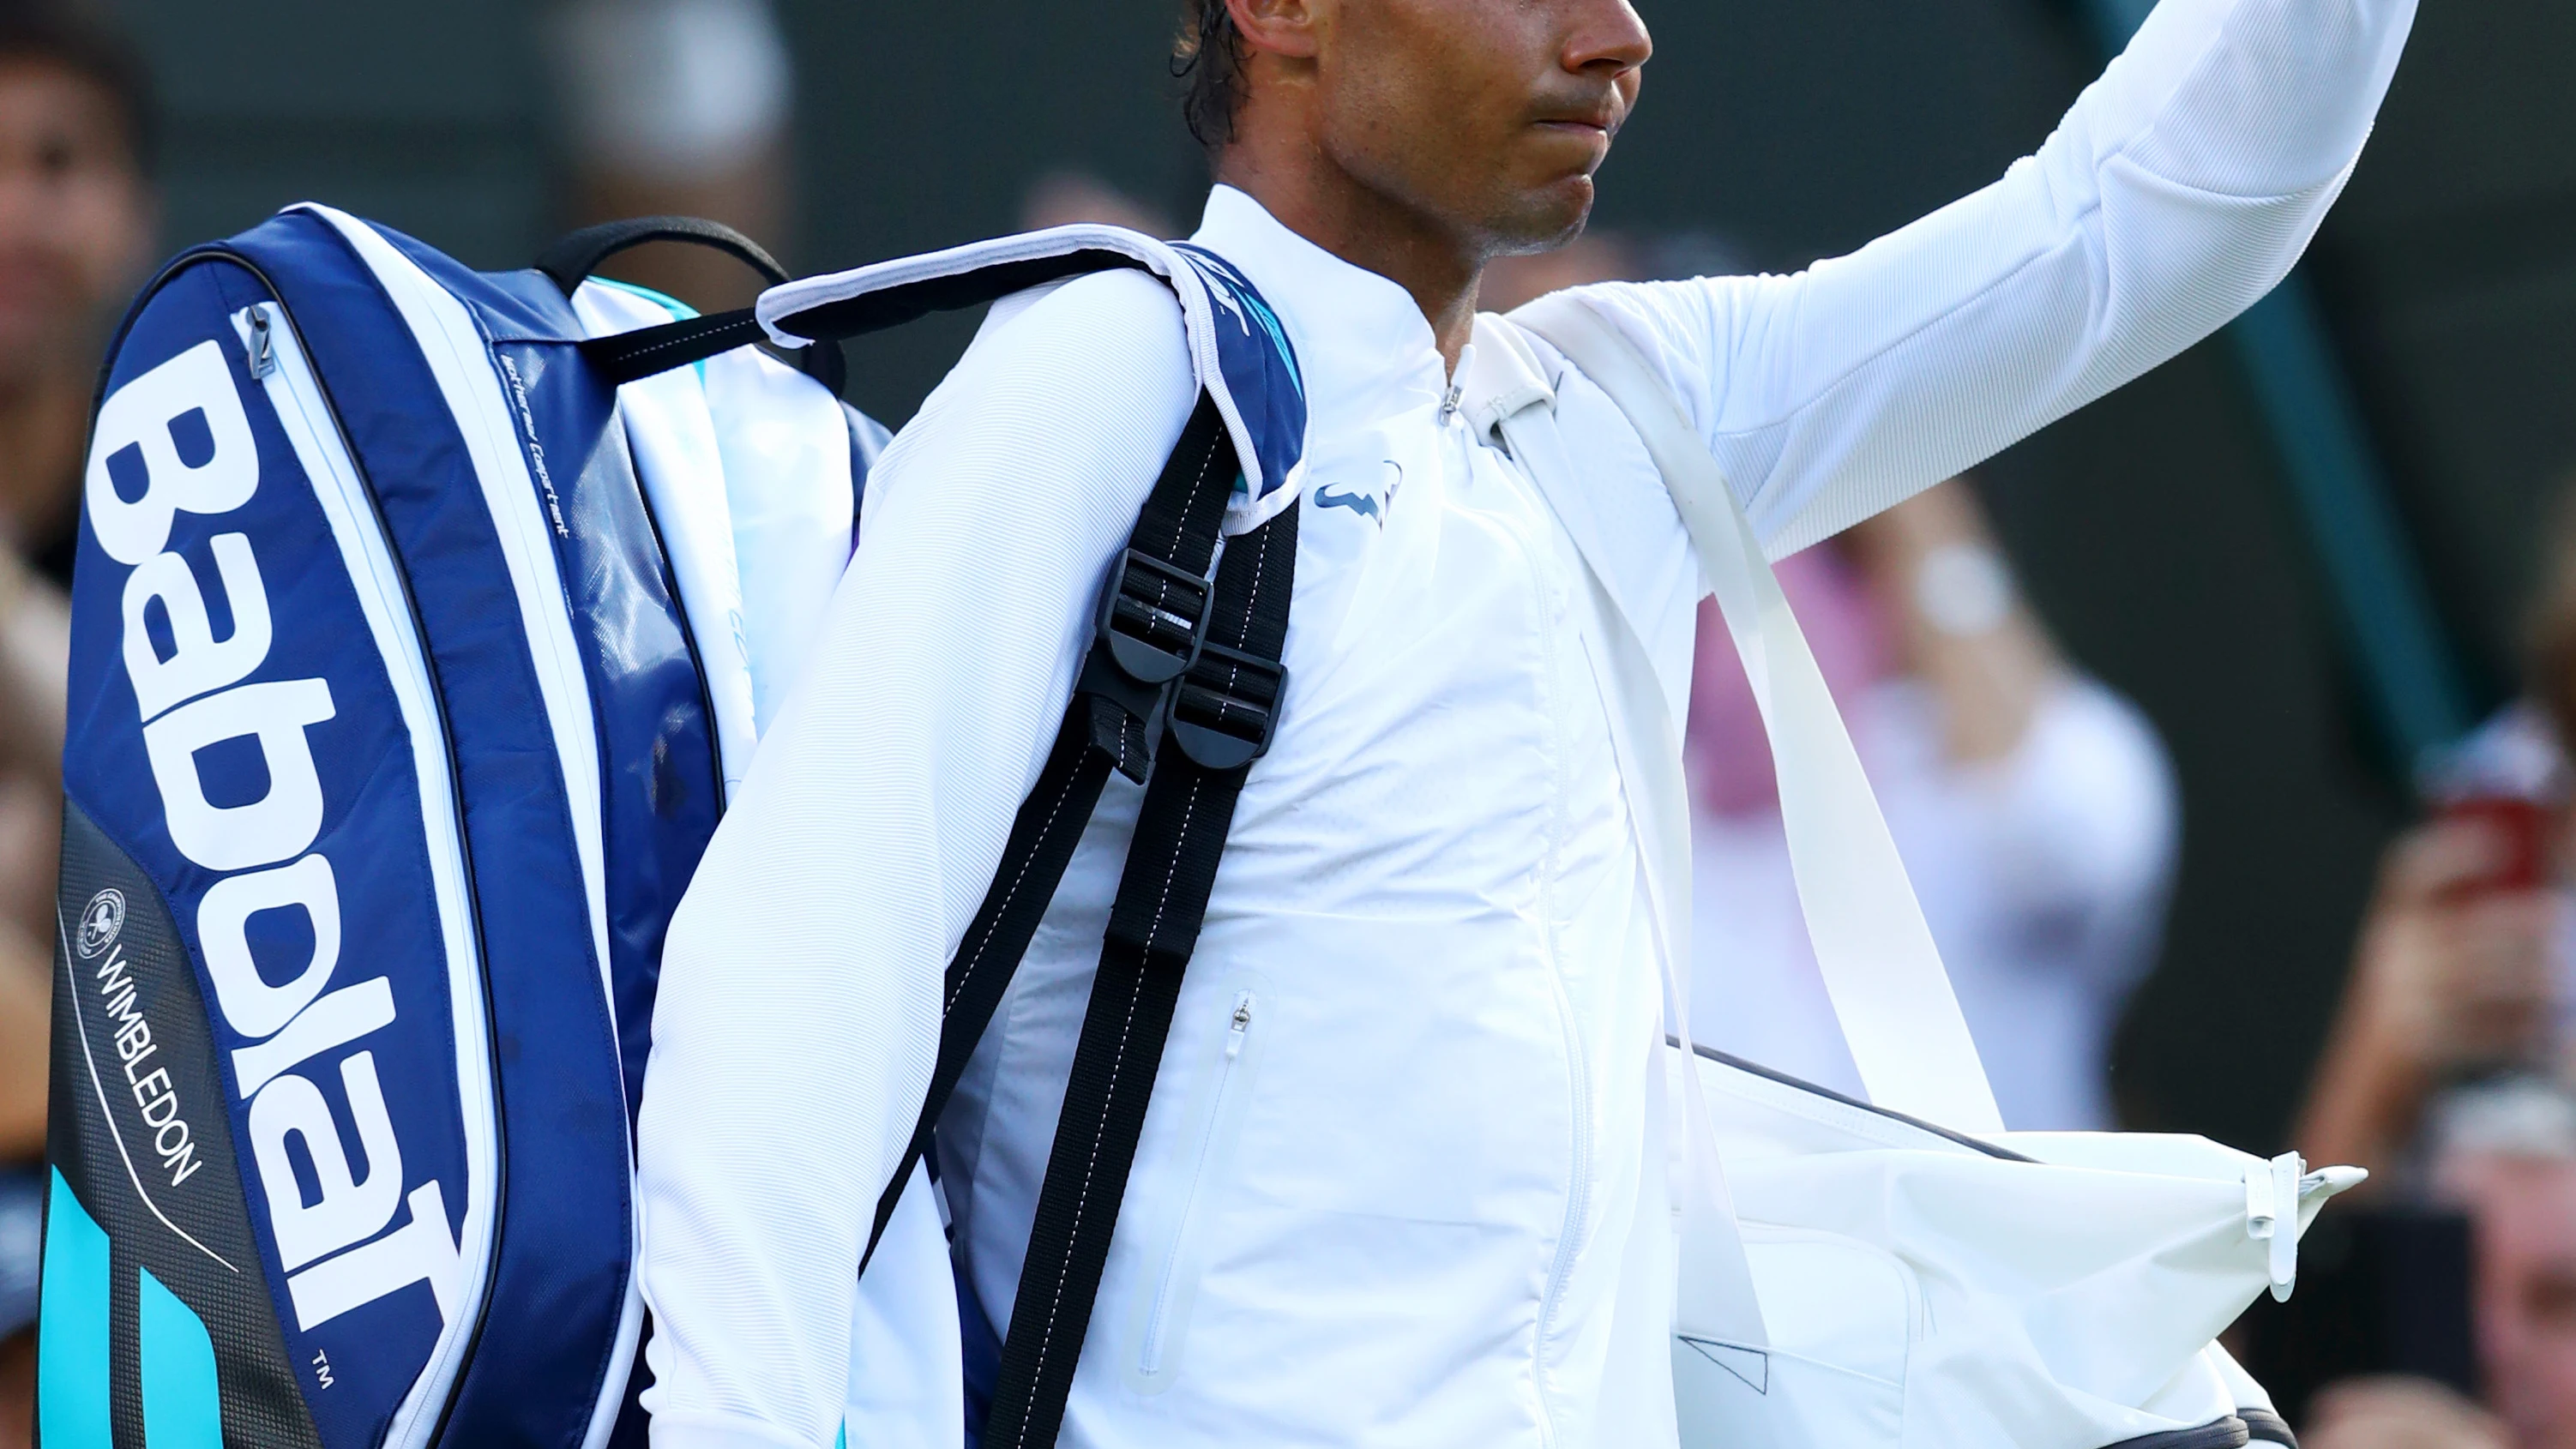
(1578, 1202)
(1149, 1356)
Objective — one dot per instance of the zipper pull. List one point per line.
(263, 349)
(1242, 1026)
(1449, 403)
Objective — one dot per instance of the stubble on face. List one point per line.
(1465, 113)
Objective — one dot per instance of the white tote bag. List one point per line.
(1853, 1276)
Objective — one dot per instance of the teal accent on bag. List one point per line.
(71, 1327)
(182, 1408)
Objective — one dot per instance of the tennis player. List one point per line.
(1397, 1185)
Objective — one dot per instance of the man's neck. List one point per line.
(1370, 231)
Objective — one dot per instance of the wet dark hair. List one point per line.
(1208, 54)
(59, 35)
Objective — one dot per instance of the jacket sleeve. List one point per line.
(799, 1008)
(2180, 188)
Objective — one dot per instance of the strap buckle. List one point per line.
(1226, 710)
(1153, 617)
(1150, 628)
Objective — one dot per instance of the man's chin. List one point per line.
(1546, 219)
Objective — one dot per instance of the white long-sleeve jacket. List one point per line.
(1391, 1186)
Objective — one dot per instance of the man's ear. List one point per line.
(1282, 27)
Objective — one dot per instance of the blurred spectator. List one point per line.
(2445, 1071)
(35, 642)
(2466, 961)
(2456, 973)
(679, 107)
(76, 227)
(34, 647)
(2034, 810)
(2399, 1413)
(2505, 1152)
(2440, 1074)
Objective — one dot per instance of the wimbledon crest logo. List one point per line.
(100, 922)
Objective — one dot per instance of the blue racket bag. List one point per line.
(395, 734)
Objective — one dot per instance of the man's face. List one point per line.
(75, 219)
(1487, 116)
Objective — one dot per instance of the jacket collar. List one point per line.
(1362, 344)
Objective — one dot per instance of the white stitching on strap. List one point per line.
(1082, 1204)
(976, 961)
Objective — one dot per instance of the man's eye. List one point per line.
(55, 157)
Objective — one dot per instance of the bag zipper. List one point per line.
(275, 356)
(263, 348)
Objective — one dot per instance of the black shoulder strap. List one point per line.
(1221, 719)
(1151, 627)
(626, 356)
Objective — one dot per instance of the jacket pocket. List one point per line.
(1177, 1246)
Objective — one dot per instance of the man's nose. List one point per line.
(1609, 38)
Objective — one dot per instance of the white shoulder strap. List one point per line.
(1880, 967)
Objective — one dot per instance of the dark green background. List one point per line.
(2150, 527)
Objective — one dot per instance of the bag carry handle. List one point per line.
(573, 258)
(1881, 970)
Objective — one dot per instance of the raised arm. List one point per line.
(2180, 188)
(799, 1010)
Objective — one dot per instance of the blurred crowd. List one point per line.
(77, 226)
(2035, 807)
